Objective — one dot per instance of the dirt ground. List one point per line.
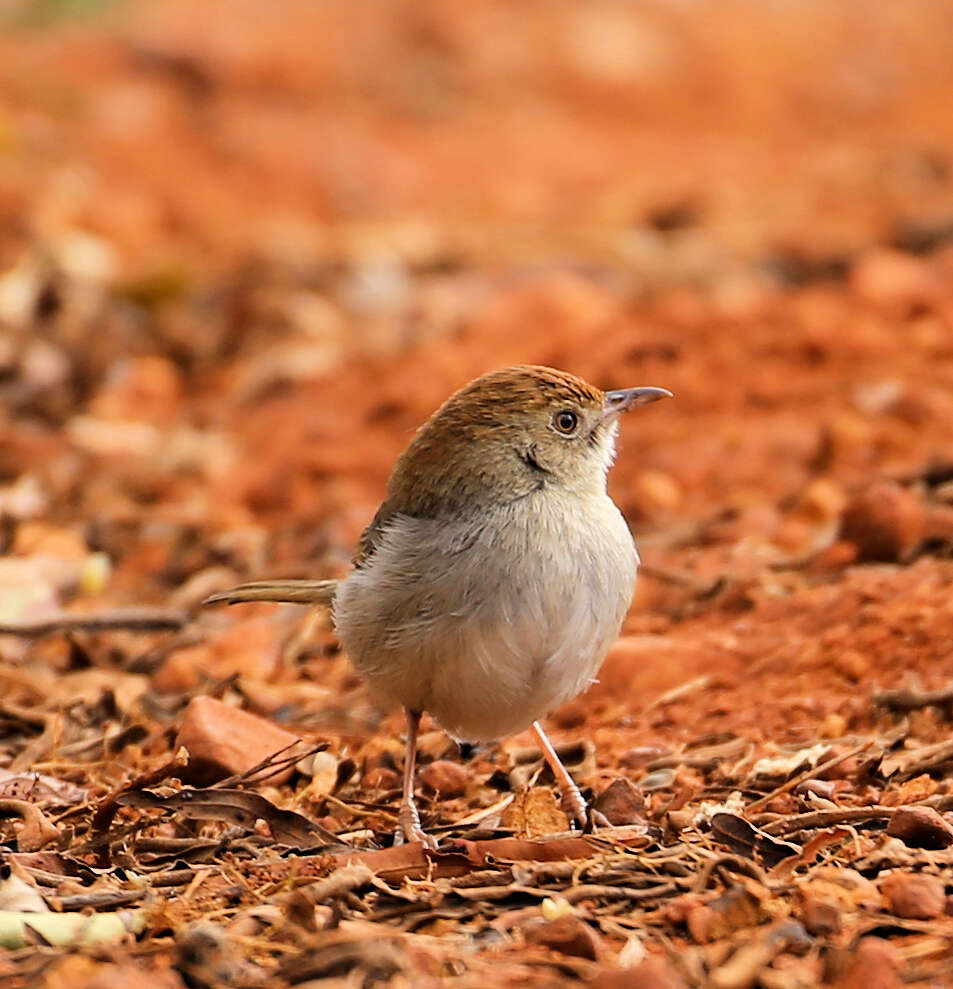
(245, 250)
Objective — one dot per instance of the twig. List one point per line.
(130, 619)
(826, 818)
(99, 901)
(810, 773)
(911, 700)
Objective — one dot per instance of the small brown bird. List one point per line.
(497, 572)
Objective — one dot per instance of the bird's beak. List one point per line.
(621, 401)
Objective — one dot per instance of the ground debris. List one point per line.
(242, 264)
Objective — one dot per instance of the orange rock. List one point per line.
(920, 827)
(142, 389)
(250, 649)
(448, 779)
(132, 975)
(41, 538)
(653, 973)
(381, 778)
(180, 672)
(821, 914)
(914, 895)
(873, 966)
(891, 279)
(835, 557)
(885, 522)
(568, 935)
(223, 740)
(823, 499)
(646, 662)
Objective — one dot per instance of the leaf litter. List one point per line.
(208, 366)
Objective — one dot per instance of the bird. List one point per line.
(497, 572)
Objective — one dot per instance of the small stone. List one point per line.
(890, 279)
(568, 935)
(851, 664)
(555, 907)
(885, 522)
(834, 725)
(873, 965)
(223, 740)
(634, 661)
(140, 389)
(820, 788)
(381, 778)
(848, 887)
(621, 802)
(838, 555)
(939, 523)
(736, 909)
(783, 803)
(446, 778)
(249, 649)
(653, 973)
(127, 975)
(920, 827)
(680, 820)
(914, 895)
(823, 499)
(641, 755)
(821, 916)
(94, 573)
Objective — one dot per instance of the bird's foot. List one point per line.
(579, 812)
(409, 829)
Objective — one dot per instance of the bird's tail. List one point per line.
(285, 591)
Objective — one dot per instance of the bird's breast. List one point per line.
(489, 622)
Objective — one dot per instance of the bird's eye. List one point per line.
(566, 421)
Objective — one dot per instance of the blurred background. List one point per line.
(245, 249)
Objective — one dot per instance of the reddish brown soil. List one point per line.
(246, 250)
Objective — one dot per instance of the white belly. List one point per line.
(489, 626)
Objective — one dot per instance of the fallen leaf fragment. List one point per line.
(534, 813)
(37, 831)
(621, 803)
(738, 908)
(745, 965)
(239, 807)
(743, 837)
(17, 895)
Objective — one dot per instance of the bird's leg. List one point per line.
(408, 820)
(572, 800)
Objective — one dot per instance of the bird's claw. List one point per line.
(409, 829)
(580, 813)
(575, 806)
